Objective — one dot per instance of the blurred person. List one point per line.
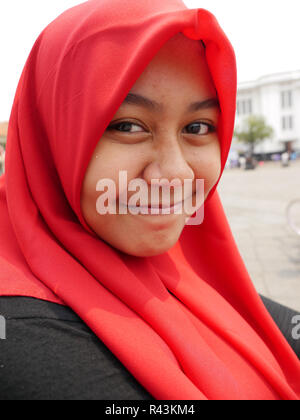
(129, 306)
(285, 159)
(242, 162)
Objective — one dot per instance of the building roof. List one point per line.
(285, 77)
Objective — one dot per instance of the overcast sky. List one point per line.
(265, 35)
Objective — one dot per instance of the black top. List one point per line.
(50, 354)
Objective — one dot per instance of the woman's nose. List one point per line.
(169, 163)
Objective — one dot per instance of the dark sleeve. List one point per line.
(50, 354)
(283, 317)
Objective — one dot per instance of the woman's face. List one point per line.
(161, 137)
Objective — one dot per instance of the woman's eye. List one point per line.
(200, 128)
(125, 127)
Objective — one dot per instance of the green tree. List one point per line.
(253, 131)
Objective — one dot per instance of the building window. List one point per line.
(244, 107)
(249, 106)
(286, 99)
(283, 123)
(287, 122)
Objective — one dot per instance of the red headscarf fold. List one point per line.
(187, 324)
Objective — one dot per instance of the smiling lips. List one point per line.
(171, 208)
(157, 206)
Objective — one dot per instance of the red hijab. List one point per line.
(187, 324)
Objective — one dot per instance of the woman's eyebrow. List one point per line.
(136, 99)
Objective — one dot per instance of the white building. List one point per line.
(277, 98)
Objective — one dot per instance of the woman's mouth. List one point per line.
(157, 209)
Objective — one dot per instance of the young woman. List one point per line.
(125, 304)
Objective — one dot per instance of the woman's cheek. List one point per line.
(209, 170)
(213, 173)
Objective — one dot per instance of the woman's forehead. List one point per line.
(181, 65)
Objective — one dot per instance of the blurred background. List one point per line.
(260, 189)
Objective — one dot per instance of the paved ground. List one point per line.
(255, 203)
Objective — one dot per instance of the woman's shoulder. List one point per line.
(22, 307)
(49, 353)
